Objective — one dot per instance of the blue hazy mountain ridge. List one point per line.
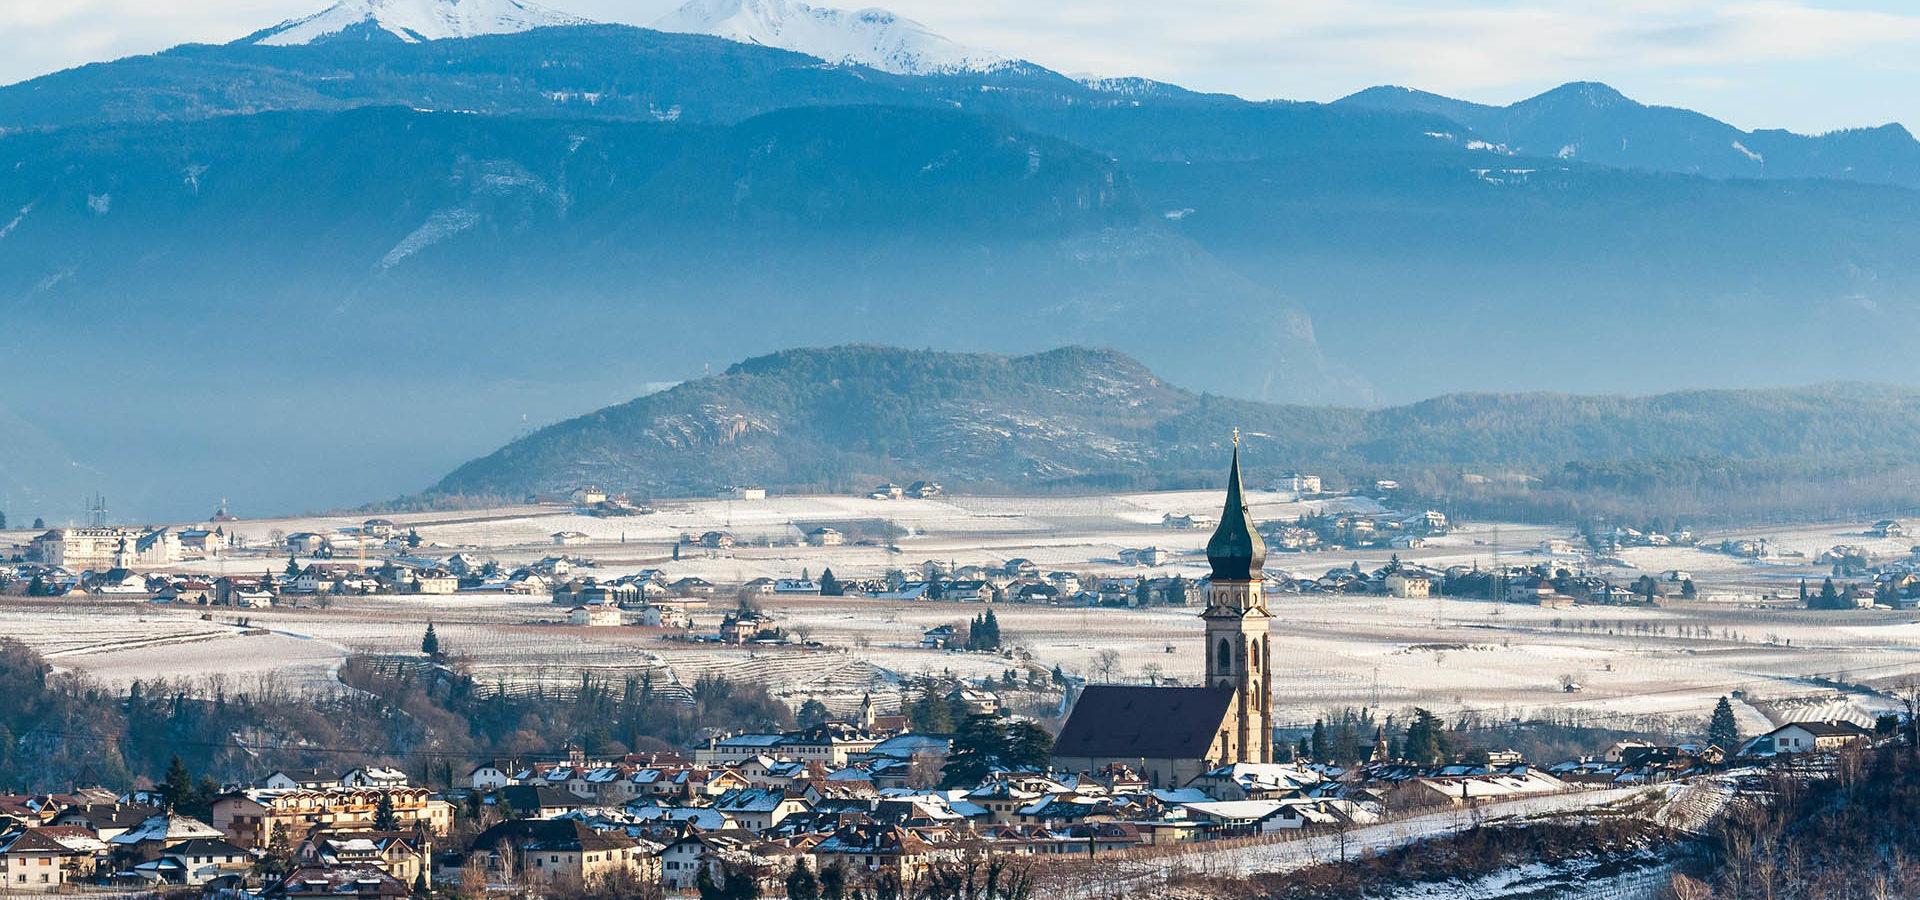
(311, 259)
(1594, 123)
(613, 71)
(541, 223)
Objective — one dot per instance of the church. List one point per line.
(1171, 735)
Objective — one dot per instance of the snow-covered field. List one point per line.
(1337, 651)
(1334, 651)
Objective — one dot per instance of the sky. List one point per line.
(1809, 67)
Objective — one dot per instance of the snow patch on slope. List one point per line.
(417, 20)
(8, 228)
(874, 38)
(438, 227)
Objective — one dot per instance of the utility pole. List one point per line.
(1499, 580)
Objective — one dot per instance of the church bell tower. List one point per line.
(1239, 656)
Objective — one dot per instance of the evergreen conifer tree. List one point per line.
(801, 884)
(176, 789)
(1029, 745)
(1723, 730)
(1426, 742)
(929, 713)
(384, 816)
(833, 883)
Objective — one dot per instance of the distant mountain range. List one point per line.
(1594, 123)
(843, 418)
(482, 219)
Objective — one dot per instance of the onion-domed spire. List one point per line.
(1236, 551)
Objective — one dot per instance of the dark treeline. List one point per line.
(1705, 490)
(58, 730)
(452, 716)
(1348, 736)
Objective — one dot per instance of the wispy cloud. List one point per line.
(1679, 51)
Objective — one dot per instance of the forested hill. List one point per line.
(1086, 419)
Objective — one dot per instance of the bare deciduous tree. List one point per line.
(1680, 887)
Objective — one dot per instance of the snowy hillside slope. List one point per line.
(413, 21)
(870, 37)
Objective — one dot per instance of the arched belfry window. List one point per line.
(1256, 657)
(1226, 654)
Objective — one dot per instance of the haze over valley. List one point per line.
(390, 203)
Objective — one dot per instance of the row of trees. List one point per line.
(1829, 597)
(986, 743)
(1348, 737)
(58, 729)
(983, 632)
(604, 716)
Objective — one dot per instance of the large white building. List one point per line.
(107, 547)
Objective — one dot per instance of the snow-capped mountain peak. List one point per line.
(414, 20)
(874, 38)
